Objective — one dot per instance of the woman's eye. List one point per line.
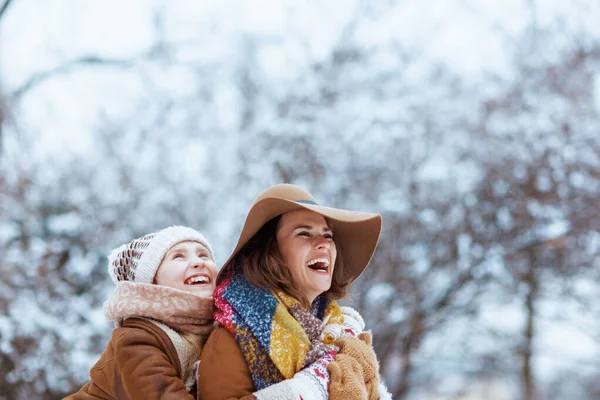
(304, 233)
(328, 236)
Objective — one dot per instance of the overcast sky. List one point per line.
(470, 36)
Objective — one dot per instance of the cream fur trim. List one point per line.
(185, 351)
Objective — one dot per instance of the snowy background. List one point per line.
(471, 125)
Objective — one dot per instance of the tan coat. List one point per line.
(140, 362)
(223, 373)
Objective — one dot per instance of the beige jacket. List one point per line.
(140, 362)
(223, 373)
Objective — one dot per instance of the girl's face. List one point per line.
(188, 266)
(306, 245)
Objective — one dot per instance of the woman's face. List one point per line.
(188, 266)
(307, 247)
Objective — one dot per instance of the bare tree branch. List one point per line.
(4, 8)
(67, 68)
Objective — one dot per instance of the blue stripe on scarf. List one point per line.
(319, 306)
(255, 306)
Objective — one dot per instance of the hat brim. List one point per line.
(356, 233)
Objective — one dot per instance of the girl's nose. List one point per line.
(196, 262)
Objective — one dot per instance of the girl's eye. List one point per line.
(203, 255)
(177, 255)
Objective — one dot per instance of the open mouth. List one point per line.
(319, 264)
(197, 280)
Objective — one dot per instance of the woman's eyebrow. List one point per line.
(303, 227)
(326, 229)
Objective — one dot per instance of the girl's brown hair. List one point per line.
(261, 264)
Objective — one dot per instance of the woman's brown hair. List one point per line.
(261, 264)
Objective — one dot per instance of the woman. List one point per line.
(275, 299)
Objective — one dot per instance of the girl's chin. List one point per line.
(199, 289)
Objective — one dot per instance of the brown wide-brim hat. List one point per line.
(356, 233)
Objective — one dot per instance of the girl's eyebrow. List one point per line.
(202, 248)
(175, 249)
(182, 248)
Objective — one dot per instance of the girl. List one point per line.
(162, 309)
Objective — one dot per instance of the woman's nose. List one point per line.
(323, 243)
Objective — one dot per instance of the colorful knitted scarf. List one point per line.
(276, 335)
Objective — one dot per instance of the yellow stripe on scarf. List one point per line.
(294, 344)
(289, 342)
(333, 315)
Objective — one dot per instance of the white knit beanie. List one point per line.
(138, 260)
